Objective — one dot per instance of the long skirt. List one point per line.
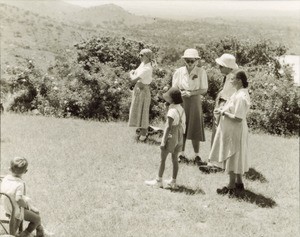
(194, 118)
(140, 105)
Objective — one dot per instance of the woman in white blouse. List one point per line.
(141, 98)
(192, 81)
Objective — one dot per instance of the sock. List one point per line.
(181, 153)
(197, 154)
(173, 180)
(159, 179)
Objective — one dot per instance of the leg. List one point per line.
(184, 141)
(175, 164)
(163, 156)
(196, 145)
(34, 221)
(231, 180)
(239, 183)
(239, 179)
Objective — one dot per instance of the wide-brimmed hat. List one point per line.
(190, 53)
(175, 95)
(147, 52)
(227, 60)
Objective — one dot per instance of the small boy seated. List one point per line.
(13, 185)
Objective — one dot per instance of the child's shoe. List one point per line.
(171, 184)
(154, 183)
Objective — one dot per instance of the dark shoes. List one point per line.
(207, 169)
(199, 162)
(225, 190)
(182, 159)
(239, 188)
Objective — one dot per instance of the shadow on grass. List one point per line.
(186, 190)
(254, 175)
(258, 199)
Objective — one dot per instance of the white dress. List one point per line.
(229, 148)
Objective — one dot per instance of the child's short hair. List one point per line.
(175, 95)
(18, 165)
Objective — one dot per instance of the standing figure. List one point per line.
(229, 149)
(227, 65)
(172, 139)
(191, 80)
(141, 97)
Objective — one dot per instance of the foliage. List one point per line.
(95, 84)
(114, 51)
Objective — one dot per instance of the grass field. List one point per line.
(87, 178)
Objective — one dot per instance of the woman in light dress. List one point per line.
(229, 148)
(141, 97)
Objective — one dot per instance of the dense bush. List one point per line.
(95, 84)
(114, 51)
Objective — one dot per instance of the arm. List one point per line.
(203, 85)
(167, 132)
(134, 78)
(21, 202)
(231, 116)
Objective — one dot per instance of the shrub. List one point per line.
(95, 83)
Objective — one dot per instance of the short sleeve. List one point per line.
(144, 73)
(241, 106)
(20, 190)
(172, 113)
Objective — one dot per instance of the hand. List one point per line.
(186, 93)
(33, 208)
(217, 111)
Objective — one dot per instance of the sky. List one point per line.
(197, 9)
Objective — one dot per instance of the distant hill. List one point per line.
(43, 30)
(28, 35)
(109, 14)
(56, 9)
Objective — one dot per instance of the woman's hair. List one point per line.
(18, 165)
(148, 53)
(243, 77)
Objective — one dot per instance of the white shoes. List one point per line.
(171, 184)
(154, 183)
(142, 138)
(159, 184)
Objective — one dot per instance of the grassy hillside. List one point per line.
(41, 30)
(87, 178)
